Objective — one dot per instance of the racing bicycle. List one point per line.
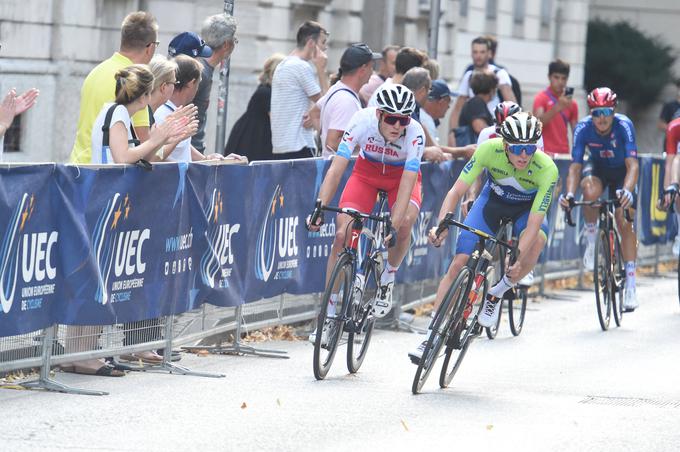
(354, 279)
(454, 325)
(516, 297)
(609, 273)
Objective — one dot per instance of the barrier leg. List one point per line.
(44, 381)
(656, 259)
(170, 367)
(237, 348)
(398, 320)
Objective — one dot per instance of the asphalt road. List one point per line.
(563, 385)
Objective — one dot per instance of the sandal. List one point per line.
(147, 357)
(103, 371)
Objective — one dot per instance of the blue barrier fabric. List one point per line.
(85, 246)
(657, 226)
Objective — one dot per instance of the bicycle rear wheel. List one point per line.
(363, 321)
(463, 334)
(517, 308)
(442, 326)
(618, 281)
(602, 279)
(325, 347)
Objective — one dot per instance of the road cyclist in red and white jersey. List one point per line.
(671, 176)
(390, 150)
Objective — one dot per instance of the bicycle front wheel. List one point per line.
(362, 320)
(464, 331)
(441, 327)
(602, 279)
(329, 327)
(492, 331)
(618, 283)
(517, 309)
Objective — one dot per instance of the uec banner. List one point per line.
(97, 246)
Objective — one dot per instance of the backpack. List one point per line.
(106, 156)
(516, 89)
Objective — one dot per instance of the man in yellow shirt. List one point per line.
(138, 43)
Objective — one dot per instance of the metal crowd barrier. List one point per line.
(210, 325)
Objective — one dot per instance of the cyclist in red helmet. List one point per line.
(610, 138)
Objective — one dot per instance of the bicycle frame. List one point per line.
(360, 260)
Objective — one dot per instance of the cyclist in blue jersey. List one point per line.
(613, 164)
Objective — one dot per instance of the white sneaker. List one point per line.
(417, 353)
(490, 312)
(528, 280)
(382, 304)
(630, 302)
(324, 334)
(676, 245)
(589, 256)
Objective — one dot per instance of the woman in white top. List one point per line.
(133, 88)
(188, 78)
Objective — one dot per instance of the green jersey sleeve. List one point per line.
(546, 189)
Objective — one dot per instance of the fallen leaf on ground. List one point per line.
(244, 406)
(403, 423)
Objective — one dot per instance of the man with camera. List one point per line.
(556, 109)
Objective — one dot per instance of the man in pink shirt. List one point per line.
(556, 109)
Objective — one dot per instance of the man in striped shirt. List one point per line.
(296, 83)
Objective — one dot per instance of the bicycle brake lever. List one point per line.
(444, 224)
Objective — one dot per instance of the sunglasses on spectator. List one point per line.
(156, 43)
(517, 149)
(604, 111)
(393, 119)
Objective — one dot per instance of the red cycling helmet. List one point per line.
(505, 109)
(601, 97)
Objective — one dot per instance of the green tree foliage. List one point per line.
(635, 66)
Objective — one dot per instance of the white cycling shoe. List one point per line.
(417, 353)
(382, 304)
(630, 302)
(589, 257)
(490, 312)
(324, 334)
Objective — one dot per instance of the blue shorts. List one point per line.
(486, 215)
(612, 179)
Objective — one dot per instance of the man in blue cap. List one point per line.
(190, 44)
(436, 106)
(219, 32)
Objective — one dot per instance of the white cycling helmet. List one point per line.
(522, 127)
(396, 99)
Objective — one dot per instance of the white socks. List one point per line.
(630, 274)
(330, 309)
(501, 287)
(388, 274)
(590, 230)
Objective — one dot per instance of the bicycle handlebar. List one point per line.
(450, 221)
(596, 203)
(673, 191)
(355, 214)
